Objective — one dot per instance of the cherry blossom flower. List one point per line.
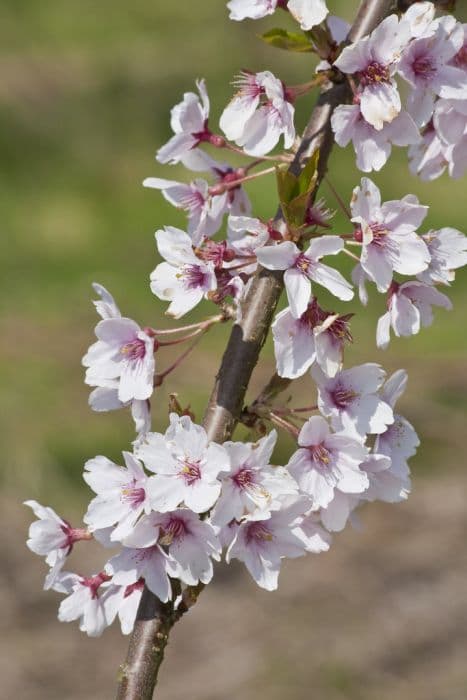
(245, 235)
(374, 59)
(302, 267)
(263, 539)
(183, 279)
(448, 251)
(351, 401)
(150, 563)
(123, 352)
(90, 600)
(419, 19)
(387, 234)
(53, 538)
(372, 147)
(317, 336)
(425, 66)
(308, 13)
(205, 213)
(450, 124)
(121, 494)
(186, 466)
(251, 482)
(400, 441)
(325, 461)
(191, 543)
(259, 114)
(189, 121)
(409, 308)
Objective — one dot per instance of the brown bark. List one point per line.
(138, 676)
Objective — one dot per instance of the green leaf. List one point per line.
(289, 41)
(295, 191)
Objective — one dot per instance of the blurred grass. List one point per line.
(84, 104)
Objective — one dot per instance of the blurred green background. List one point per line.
(85, 97)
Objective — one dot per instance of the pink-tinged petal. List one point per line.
(175, 148)
(294, 345)
(343, 121)
(405, 316)
(383, 336)
(372, 152)
(394, 387)
(403, 131)
(366, 201)
(106, 306)
(404, 215)
(332, 280)
(278, 257)
(262, 132)
(145, 533)
(314, 432)
(307, 13)
(414, 255)
(325, 245)
(235, 116)
(336, 515)
(388, 39)
(175, 246)
(165, 493)
(380, 103)
(298, 289)
(117, 331)
(105, 399)
(137, 379)
(200, 497)
(355, 58)
(377, 267)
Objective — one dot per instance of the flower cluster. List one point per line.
(429, 54)
(181, 501)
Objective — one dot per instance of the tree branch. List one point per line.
(138, 675)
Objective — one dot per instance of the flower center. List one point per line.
(343, 397)
(193, 201)
(173, 529)
(380, 233)
(191, 472)
(132, 494)
(258, 532)
(320, 455)
(134, 350)
(423, 67)
(194, 276)
(303, 263)
(94, 582)
(375, 73)
(243, 478)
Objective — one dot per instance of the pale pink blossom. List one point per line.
(245, 235)
(121, 494)
(372, 147)
(189, 121)
(308, 13)
(205, 213)
(186, 466)
(262, 540)
(448, 251)
(351, 400)
(93, 601)
(191, 543)
(150, 563)
(251, 482)
(419, 18)
(326, 461)
(317, 336)
(374, 60)
(183, 279)
(121, 362)
(259, 113)
(387, 233)
(409, 308)
(450, 123)
(425, 65)
(53, 538)
(302, 267)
